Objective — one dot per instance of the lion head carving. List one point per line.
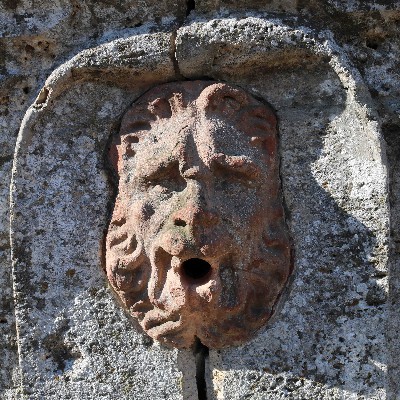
(197, 247)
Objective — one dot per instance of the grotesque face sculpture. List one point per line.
(197, 246)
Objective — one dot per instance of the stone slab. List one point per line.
(74, 340)
(328, 341)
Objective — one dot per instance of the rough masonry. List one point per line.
(328, 68)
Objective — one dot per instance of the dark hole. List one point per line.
(180, 222)
(29, 48)
(132, 139)
(148, 211)
(373, 43)
(196, 268)
(119, 222)
(191, 5)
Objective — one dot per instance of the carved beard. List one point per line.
(227, 309)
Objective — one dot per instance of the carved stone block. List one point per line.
(329, 338)
(198, 246)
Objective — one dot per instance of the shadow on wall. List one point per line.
(391, 133)
(330, 332)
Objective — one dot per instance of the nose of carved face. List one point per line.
(195, 231)
(195, 216)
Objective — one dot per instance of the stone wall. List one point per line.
(329, 68)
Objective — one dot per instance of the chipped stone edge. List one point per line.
(287, 40)
(167, 61)
(138, 62)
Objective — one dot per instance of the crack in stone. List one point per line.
(173, 53)
(190, 6)
(201, 354)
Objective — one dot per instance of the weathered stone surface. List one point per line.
(197, 247)
(35, 43)
(330, 335)
(35, 38)
(302, 7)
(72, 18)
(73, 340)
(8, 341)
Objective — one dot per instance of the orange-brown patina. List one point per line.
(198, 246)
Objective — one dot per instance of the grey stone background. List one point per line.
(37, 37)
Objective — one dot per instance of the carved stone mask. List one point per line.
(198, 246)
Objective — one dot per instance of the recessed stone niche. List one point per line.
(326, 335)
(198, 247)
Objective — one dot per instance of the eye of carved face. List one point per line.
(197, 247)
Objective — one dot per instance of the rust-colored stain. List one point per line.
(198, 246)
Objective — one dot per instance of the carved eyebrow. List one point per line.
(240, 164)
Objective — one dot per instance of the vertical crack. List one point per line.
(181, 18)
(172, 52)
(201, 354)
(190, 6)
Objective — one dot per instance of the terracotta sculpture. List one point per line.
(198, 246)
